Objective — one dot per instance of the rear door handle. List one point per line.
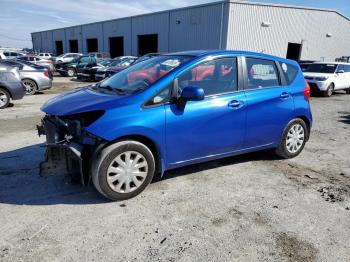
(235, 104)
(285, 95)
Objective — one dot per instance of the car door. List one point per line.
(347, 74)
(269, 103)
(341, 78)
(211, 127)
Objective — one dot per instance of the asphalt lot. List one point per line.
(254, 207)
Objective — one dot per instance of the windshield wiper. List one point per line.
(109, 88)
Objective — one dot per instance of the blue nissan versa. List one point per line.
(174, 110)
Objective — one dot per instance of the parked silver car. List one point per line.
(67, 57)
(34, 77)
(38, 61)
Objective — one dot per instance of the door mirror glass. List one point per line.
(192, 93)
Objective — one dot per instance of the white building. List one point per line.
(286, 31)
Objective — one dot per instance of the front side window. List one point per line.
(215, 77)
(160, 98)
(347, 68)
(141, 75)
(261, 73)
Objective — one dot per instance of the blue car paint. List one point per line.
(204, 130)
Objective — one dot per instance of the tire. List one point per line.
(70, 72)
(30, 85)
(348, 91)
(4, 98)
(114, 159)
(285, 148)
(329, 91)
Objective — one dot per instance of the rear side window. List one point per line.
(261, 73)
(347, 68)
(290, 72)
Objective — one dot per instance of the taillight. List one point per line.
(46, 73)
(307, 92)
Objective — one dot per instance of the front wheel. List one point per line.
(70, 72)
(4, 98)
(329, 91)
(123, 170)
(293, 139)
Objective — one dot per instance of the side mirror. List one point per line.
(340, 72)
(192, 93)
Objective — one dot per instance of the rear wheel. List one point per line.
(293, 139)
(123, 170)
(30, 85)
(4, 98)
(348, 91)
(329, 91)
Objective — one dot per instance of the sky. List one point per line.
(19, 18)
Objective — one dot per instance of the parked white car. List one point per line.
(45, 55)
(10, 55)
(328, 77)
(67, 57)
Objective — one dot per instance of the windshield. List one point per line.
(321, 68)
(141, 75)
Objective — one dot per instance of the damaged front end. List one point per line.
(69, 148)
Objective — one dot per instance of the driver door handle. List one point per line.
(284, 95)
(235, 104)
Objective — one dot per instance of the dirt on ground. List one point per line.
(254, 207)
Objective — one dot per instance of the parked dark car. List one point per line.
(85, 66)
(68, 68)
(89, 73)
(11, 87)
(116, 66)
(175, 110)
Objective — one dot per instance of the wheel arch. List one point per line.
(150, 143)
(308, 124)
(28, 78)
(6, 89)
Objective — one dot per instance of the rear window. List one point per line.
(261, 73)
(290, 72)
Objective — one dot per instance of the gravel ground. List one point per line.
(253, 207)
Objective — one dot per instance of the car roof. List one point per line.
(198, 53)
(333, 63)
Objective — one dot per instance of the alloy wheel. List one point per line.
(295, 138)
(30, 86)
(70, 72)
(3, 99)
(127, 172)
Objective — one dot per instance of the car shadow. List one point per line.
(344, 117)
(20, 183)
(227, 161)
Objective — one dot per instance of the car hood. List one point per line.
(81, 100)
(311, 74)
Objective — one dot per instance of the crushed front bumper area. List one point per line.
(68, 151)
(64, 159)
